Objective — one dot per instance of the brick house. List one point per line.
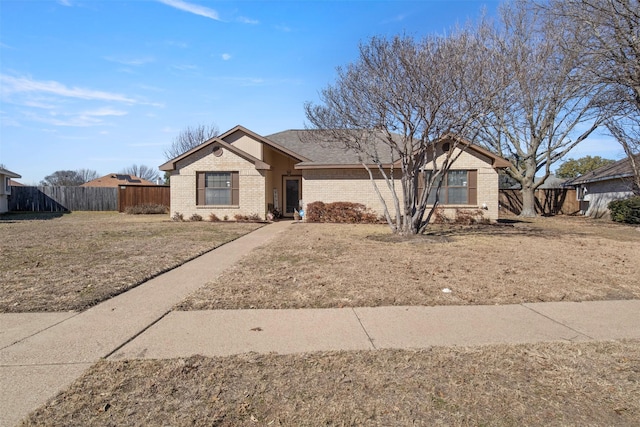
(241, 172)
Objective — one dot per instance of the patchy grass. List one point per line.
(595, 384)
(69, 262)
(337, 265)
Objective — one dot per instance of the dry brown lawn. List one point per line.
(560, 384)
(337, 265)
(73, 261)
(324, 265)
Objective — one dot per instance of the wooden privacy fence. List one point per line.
(62, 199)
(135, 195)
(548, 202)
(67, 199)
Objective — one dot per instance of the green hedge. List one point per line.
(627, 210)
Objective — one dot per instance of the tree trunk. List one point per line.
(528, 202)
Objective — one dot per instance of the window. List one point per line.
(217, 188)
(458, 188)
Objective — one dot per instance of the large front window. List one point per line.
(458, 188)
(217, 188)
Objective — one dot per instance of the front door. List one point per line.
(292, 194)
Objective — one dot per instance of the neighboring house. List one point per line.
(551, 183)
(597, 188)
(116, 180)
(5, 188)
(241, 172)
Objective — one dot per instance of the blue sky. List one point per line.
(105, 84)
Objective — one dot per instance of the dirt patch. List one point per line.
(72, 261)
(596, 384)
(337, 265)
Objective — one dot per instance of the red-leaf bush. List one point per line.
(340, 212)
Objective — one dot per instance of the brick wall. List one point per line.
(354, 185)
(183, 185)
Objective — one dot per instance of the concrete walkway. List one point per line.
(41, 354)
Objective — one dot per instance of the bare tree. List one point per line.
(142, 171)
(189, 138)
(63, 178)
(544, 107)
(87, 175)
(610, 34)
(393, 107)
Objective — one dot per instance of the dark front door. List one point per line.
(292, 194)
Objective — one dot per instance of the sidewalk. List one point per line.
(226, 332)
(41, 354)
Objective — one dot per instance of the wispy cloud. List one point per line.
(174, 43)
(81, 119)
(12, 84)
(192, 8)
(226, 57)
(148, 144)
(133, 61)
(245, 20)
(101, 112)
(284, 28)
(65, 2)
(49, 90)
(39, 104)
(185, 67)
(397, 18)
(256, 81)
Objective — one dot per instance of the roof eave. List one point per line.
(266, 141)
(599, 179)
(9, 174)
(337, 166)
(259, 164)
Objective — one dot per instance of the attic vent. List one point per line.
(446, 146)
(217, 151)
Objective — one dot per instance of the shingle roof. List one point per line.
(620, 169)
(310, 149)
(115, 180)
(315, 147)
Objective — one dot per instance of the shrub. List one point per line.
(178, 217)
(627, 210)
(240, 218)
(195, 217)
(316, 211)
(146, 209)
(340, 212)
(470, 217)
(254, 217)
(439, 216)
(225, 218)
(462, 217)
(213, 217)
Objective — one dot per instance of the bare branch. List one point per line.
(189, 138)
